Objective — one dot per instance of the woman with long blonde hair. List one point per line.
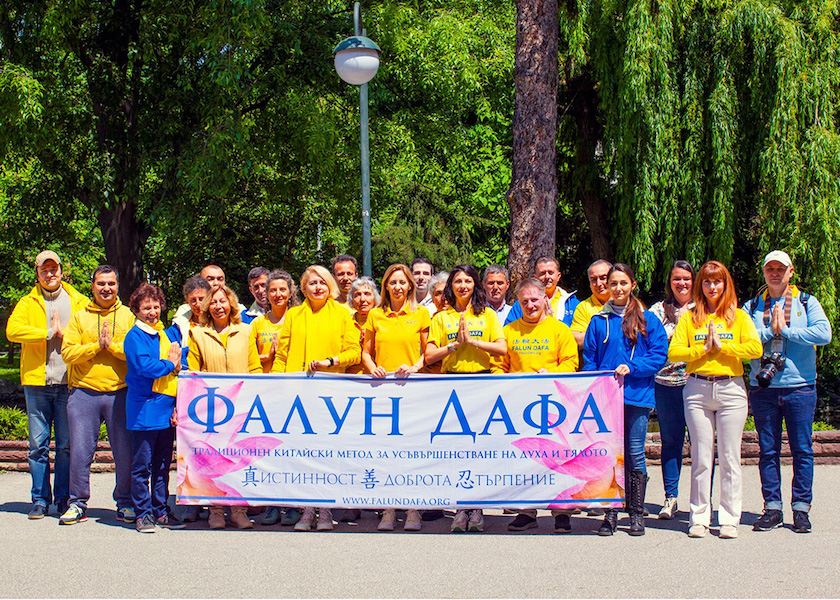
(713, 339)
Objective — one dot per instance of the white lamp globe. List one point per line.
(356, 60)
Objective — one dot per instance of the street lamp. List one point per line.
(356, 62)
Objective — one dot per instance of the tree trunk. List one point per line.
(583, 107)
(124, 239)
(532, 196)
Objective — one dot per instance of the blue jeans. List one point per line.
(46, 407)
(796, 406)
(671, 413)
(635, 433)
(152, 458)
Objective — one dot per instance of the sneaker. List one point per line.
(669, 509)
(522, 522)
(325, 521)
(728, 532)
(271, 515)
(38, 511)
(459, 523)
(351, 515)
(290, 517)
(476, 521)
(145, 524)
(801, 522)
(562, 524)
(432, 515)
(62, 507)
(412, 521)
(306, 520)
(74, 514)
(168, 521)
(389, 519)
(697, 531)
(126, 514)
(769, 520)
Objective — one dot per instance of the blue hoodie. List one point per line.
(145, 409)
(605, 348)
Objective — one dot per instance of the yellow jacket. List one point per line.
(309, 335)
(235, 355)
(27, 326)
(738, 343)
(94, 368)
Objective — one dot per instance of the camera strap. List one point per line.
(788, 304)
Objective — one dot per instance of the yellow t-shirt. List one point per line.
(397, 335)
(548, 344)
(467, 358)
(263, 334)
(584, 313)
(738, 343)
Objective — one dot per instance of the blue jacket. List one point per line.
(807, 329)
(146, 410)
(569, 304)
(605, 348)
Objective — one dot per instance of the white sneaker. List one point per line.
(306, 520)
(669, 509)
(389, 517)
(325, 521)
(697, 531)
(728, 532)
(459, 523)
(476, 522)
(412, 521)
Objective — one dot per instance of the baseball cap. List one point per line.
(779, 256)
(45, 256)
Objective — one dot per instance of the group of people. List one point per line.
(88, 361)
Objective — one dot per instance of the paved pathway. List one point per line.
(104, 558)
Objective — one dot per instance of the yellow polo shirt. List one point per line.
(548, 344)
(584, 313)
(738, 343)
(467, 358)
(397, 335)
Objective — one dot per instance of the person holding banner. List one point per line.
(537, 344)
(362, 299)
(318, 335)
(223, 344)
(670, 382)
(282, 295)
(713, 339)
(153, 356)
(627, 338)
(464, 337)
(395, 335)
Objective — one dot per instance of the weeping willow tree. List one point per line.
(706, 129)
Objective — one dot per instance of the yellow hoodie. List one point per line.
(308, 336)
(27, 326)
(94, 368)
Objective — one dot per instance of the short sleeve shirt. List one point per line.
(397, 335)
(467, 358)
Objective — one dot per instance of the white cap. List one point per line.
(45, 256)
(780, 256)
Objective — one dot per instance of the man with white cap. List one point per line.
(791, 323)
(37, 323)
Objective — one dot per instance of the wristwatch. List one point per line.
(332, 362)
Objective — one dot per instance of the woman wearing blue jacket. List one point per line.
(153, 356)
(628, 339)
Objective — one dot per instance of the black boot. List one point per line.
(636, 504)
(610, 522)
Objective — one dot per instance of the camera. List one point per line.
(770, 365)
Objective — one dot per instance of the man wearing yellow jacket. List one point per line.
(37, 323)
(93, 345)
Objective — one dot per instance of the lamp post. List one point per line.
(356, 62)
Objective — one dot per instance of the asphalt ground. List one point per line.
(103, 558)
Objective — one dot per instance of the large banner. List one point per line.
(472, 441)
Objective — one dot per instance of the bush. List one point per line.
(13, 425)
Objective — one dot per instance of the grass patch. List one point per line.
(14, 425)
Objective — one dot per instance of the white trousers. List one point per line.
(715, 406)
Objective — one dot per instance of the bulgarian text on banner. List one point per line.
(472, 441)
